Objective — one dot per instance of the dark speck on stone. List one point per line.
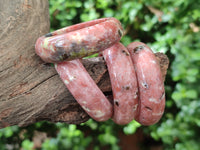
(64, 56)
(138, 48)
(125, 52)
(145, 85)
(120, 33)
(126, 87)
(148, 108)
(49, 34)
(116, 102)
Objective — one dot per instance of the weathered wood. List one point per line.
(30, 90)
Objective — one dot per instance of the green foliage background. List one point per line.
(168, 26)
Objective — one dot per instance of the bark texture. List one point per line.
(30, 90)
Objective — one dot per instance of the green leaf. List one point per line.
(131, 127)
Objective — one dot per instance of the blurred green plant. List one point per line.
(168, 26)
(68, 137)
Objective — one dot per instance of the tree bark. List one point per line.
(30, 89)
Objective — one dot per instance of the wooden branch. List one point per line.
(30, 90)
